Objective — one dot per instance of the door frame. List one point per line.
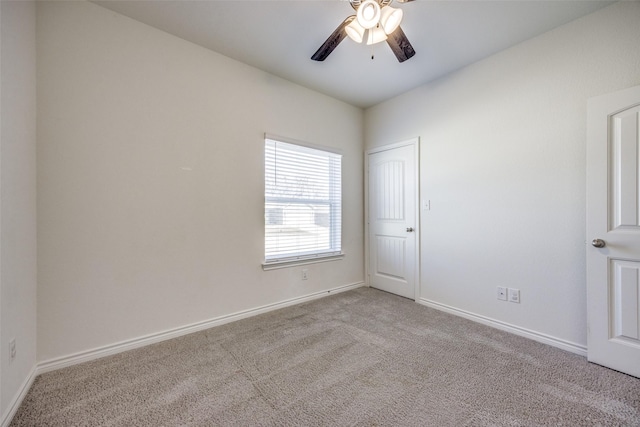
(415, 143)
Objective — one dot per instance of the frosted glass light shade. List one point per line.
(355, 31)
(390, 19)
(368, 14)
(376, 35)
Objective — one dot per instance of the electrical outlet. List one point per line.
(514, 295)
(305, 274)
(502, 293)
(12, 349)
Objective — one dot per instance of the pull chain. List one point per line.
(370, 35)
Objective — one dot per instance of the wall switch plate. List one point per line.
(12, 349)
(514, 295)
(305, 274)
(502, 293)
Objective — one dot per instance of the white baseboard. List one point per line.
(18, 398)
(96, 353)
(527, 333)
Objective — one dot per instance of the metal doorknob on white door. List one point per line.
(409, 229)
(598, 243)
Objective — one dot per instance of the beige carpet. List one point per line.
(361, 358)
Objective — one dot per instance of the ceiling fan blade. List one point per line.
(334, 40)
(400, 45)
(404, 1)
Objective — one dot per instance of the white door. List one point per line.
(613, 231)
(392, 218)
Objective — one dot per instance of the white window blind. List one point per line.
(302, 202)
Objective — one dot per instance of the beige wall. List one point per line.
(150, 181)
(503, 163)
(17, 198)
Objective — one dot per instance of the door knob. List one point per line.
(409, 229)
(598, 243)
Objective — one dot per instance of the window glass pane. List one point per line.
(302, 201)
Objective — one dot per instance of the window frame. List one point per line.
(303, 258)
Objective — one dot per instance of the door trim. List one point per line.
(415, 143)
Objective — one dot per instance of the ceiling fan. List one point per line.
(380, 22)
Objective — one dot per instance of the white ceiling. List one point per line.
(280, 36)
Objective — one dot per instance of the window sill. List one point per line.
(274, 265)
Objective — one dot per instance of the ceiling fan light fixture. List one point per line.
(390, 19)
(376, 35)
(373, 22)
(368, 14)
(355, 31)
